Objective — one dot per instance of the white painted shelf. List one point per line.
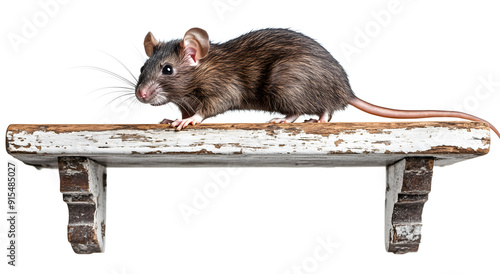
(408, 150)
(329, 144)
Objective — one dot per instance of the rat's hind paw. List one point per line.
(287, 119)
(323, 118)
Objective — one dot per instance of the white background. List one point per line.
(426, 55)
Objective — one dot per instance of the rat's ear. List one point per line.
(149, 43)
(196, 44)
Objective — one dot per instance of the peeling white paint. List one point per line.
(266, 146)
(408, 232)
(248, 141)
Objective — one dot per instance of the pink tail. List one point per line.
(414, 114)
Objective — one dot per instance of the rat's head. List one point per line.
(167, 73)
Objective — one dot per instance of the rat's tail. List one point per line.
(413, 114)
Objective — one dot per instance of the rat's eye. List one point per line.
(142, 69)
(167, 70)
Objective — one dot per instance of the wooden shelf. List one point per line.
(329, 144)
(409, 150)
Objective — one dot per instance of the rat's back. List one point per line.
(280, 70)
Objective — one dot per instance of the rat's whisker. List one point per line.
(143, 59)
(123, 65)
(170, 105)
(117, 91)
(117, 88)
(121, 96)
(127, 102)
(116, 75)
(183, 107)
(188, 105)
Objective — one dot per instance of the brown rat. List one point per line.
(276, 70)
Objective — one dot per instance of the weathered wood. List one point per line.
(83, 184)
(408, 186)
(327, 144)
(408, 150)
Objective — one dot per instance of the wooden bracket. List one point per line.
(408, 186)
(83, 184)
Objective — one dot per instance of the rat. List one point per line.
(275, 70)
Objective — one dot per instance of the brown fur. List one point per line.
(275, 70)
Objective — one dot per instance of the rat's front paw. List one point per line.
(193, 120)
(167, 121)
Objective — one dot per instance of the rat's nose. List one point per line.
(143, 93)
(147, 93)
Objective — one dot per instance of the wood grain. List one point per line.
(279, 145)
